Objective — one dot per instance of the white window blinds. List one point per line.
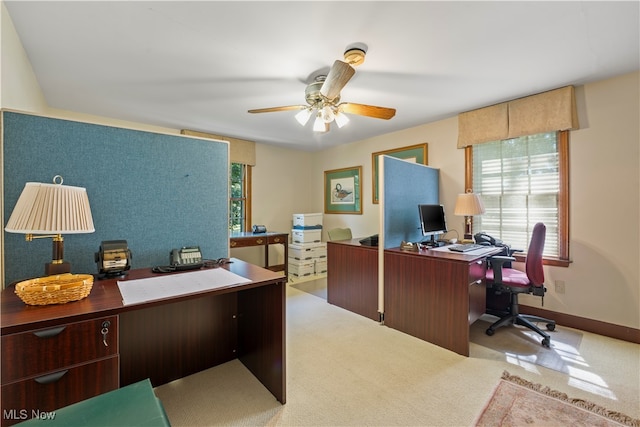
(519, 182)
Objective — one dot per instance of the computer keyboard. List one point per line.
(465, 247)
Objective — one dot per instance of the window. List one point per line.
(240, 197)
(523, 181)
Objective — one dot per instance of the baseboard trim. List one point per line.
(624, 333)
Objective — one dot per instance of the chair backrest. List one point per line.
(533, 263)
(340, 234)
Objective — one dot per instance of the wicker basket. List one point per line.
(57, 289)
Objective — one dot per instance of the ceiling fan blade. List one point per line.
(274, 109)
(339, 74)
(367, 110)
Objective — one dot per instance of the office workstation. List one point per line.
(411, 280)
(152, 195)
(118, 332)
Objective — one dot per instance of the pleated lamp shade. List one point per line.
(468, 204)
(51, 209)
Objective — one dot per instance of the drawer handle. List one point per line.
(51, 378)
(233, 243)
(277, 240)
(259, 241)
(49, 332)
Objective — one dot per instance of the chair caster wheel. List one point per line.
(546, 342)
(490, 332)
(551, 326)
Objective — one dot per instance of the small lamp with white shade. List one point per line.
(468, 204)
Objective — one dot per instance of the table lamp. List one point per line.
(467, 205)
(51, 210)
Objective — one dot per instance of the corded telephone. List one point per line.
(186, 258)
(483, 238)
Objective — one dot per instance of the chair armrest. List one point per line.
(496, 265)
(501, 259)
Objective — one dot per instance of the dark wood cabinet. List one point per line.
(56, 355)
(48, 368)
(434, 295)
(352, 277)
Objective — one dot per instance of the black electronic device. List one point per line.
(113, 257)
(370, 241)
(483, 238)
(186, 258)
(259, 229)
(432, 223)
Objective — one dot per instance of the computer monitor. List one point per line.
(432, 221)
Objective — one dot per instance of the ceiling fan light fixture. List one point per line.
(327, 114)
(319, 124)
(341, 119)
(303, 116)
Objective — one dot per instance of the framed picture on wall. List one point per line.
(414, 153)
(343, 191)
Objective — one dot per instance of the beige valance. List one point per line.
(545, 112)
(240, 150)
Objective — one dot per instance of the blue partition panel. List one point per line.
(406, 185)
(155, 191)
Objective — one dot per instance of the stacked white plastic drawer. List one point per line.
(307, 253)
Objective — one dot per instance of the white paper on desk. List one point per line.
(142, 290)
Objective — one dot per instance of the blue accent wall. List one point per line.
(155, 191)
(406, 185)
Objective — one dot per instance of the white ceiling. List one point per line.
(201, 65)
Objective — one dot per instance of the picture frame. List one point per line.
(417, 153)
(343, 191)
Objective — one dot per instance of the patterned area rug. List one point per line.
(517, 402)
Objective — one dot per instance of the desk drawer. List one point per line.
(477, 270)
(248, 241)
(46, 393)
(44, 350)
(282, 239)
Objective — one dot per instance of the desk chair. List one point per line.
(340, 234)
(514, 282)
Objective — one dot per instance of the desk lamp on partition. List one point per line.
(51, 210)
(467, 205)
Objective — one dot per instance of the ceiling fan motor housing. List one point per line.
(312, 93)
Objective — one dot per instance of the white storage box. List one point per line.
(308, 250)
(321, 266)
(301, 268)
(306, 236)
(311, 221)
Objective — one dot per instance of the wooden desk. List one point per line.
(161, 340)
(352, 277)
(435, 295)
(245, 239)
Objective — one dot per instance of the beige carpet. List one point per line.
(517, 402)
(346, 370)
(525, 345)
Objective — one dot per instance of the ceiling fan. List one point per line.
(323, 97)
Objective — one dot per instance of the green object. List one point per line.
(133, 405)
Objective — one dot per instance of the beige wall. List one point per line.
(602, 283)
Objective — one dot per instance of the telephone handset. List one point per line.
(483, 238)
(186, 258)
